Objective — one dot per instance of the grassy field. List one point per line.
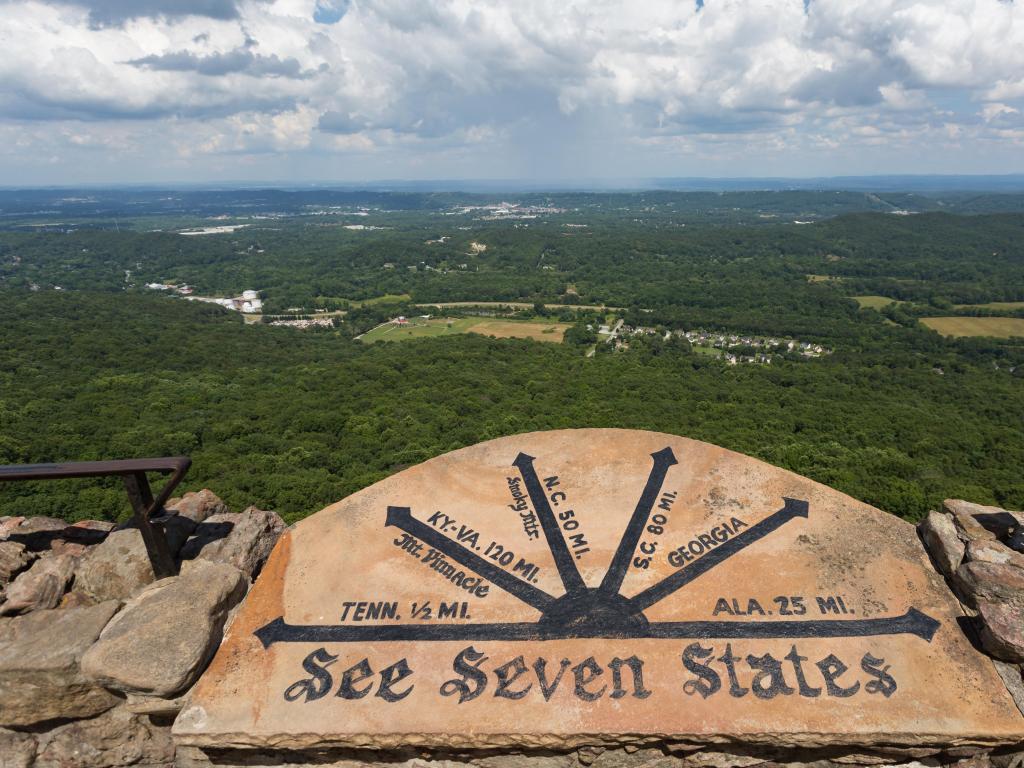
(503, 329)
(873, 302)
(1002, 327)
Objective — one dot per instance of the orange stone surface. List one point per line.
(598, 585)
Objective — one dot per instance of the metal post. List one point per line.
(153, 534)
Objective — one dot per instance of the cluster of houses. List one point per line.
(505, 211)
(305, 322)
(725, 344)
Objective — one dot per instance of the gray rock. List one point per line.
(40, 674)
(939, 535)
(198, 506)
(17, 750)
(14, 558)
(243, 540)
(119, 566)
(994, 552)
(41, 586)
(1002, 629)
(163, 639)
(115, 738)
(993, 582)
(1013, 681)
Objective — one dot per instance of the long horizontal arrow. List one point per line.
(793, 508)
(612, 581)
(913, 622)
(401, 517)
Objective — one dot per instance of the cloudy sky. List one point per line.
(300, 90)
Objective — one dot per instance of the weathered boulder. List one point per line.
(977, 581)
(115, 738)
(1011, 675)
(243, 539)
(41, 586)
(36, 533)
(17, 750)
(993, 552)
(163, 639)
(14, 558)
(198, 506)
(23, 526)
(39, 534)
(979, 521)
(8, 523)
(40, 674)
(1002, 629)
(119, 566)
(940, 537)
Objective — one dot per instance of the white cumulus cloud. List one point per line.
(490, 84)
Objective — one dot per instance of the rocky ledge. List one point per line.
(95, 654)
(979, 551)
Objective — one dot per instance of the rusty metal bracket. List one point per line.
(149, 512)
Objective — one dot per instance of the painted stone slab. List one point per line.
(580, 586)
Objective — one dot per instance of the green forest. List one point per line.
(292, 420)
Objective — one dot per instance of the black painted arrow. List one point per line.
(913, 622)
(401, 517)
(570, 575)
(612, 581)
(793, 508)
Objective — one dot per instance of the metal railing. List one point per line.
(149, 511)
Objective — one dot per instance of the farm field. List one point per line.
(1001, 327)
(873, 302)
(512, 329)
(504, 329)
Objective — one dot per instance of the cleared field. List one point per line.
(509, 329)
(873, 302)
(824, 279)
(998, 306)
(418, 329)
(504, 329)
(1002, 327)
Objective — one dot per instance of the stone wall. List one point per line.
(97, 658)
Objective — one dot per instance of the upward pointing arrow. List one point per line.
(570, 575)
(612, 581)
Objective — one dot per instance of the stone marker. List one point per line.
(594, 586)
